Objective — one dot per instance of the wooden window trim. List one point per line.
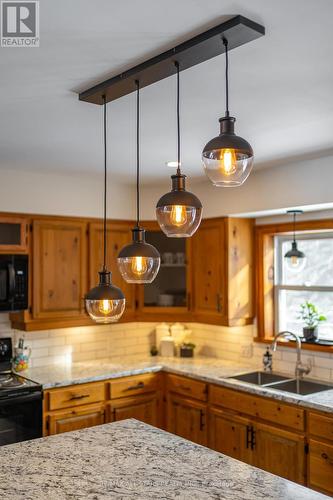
(264, 266)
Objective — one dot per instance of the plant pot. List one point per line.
(186, 352)
(310, 333)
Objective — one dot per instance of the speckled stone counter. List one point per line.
(130, 459)
(210, 370)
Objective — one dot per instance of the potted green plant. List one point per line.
(187, 350)
(311, 317)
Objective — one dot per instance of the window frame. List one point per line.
(266, 301)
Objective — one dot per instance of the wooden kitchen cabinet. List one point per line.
(14, 234)
(222, 259)
(74, 419)
(231, 435)
(59, 268)
(280, 452)
(321, 466)
(144, 408)
(187, 418)
(118, 235)
(169, 295)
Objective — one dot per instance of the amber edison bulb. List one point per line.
(178, 215)
(139, 265)
(228, 161)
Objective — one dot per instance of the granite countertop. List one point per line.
(129, 459)
(211, 370)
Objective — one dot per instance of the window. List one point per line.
(314, 283)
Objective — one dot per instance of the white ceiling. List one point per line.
(281, 85)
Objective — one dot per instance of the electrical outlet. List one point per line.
(246, 351)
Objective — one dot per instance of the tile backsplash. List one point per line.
(129, 339)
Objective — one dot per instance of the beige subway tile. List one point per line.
(93, 346)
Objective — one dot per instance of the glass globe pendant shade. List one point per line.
(179, 212)
(105, 303)
(228, 158)
(295, 259)
(139, 262)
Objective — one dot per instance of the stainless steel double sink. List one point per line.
(282, 383)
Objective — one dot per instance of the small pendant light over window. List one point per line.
(228, 158)
(295, 259)
(179, 211)
(138, 262)
(105, 303)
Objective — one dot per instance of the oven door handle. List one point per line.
(11, 281)
(15, 397)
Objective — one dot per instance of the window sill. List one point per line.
(306, 347)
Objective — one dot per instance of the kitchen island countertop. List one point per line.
(129, 459)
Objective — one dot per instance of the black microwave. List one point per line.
(13, 282)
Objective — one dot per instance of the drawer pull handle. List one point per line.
(140, 385)
(184, 388)
(81, 396)
(202, 420)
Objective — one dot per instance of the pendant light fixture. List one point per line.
(105, 303)
(138, 262)
(179, 211)
(295, 259)
(228, 158)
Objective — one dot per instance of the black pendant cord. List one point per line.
(178, 120)
(294, 227)
(225, 43)
(137, 153)
(105, 185)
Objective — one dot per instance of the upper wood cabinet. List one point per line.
(118, 235)
(206, 278)
(59, 268)
(14, 234)
(222, 261)
(169, 295)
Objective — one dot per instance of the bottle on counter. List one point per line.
(162, 330)
(267, 360)
(167, 346)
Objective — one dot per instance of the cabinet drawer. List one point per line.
(321, 426)
(186, 386)
(75, 395)
(132, 386)
(74, 419)
(266, 409)
(321, 466)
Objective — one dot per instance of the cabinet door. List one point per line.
(321, 466)
(117, 237)
(280, 452)
(78, 418)
(169, 293)
(143, 408)
(187, 419)
(239, 242)
(208, 269)
(59, 268)
(231, 435)
(14, 234)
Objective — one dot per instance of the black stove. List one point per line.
(20, 401)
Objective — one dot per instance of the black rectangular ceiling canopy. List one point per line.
(237, 30)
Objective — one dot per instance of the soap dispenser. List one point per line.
(267, 360)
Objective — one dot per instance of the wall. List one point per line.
(135, 339)
(296, 184)
(64, 194)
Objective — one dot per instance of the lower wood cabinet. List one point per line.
(231, 435)
(144, 408)
(280, 452)
(74, 419)
(187, 418)
(321, 466)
